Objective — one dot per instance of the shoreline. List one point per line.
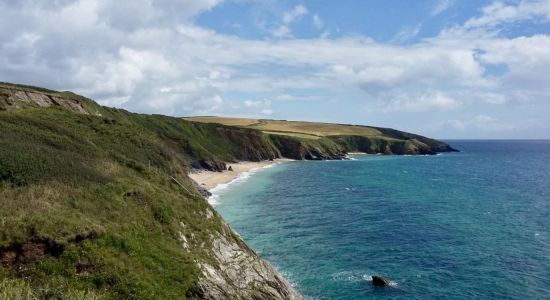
(358, 153)
(212, 179)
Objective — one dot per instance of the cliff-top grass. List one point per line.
(96, 203)
(88, 207)
(307, 129)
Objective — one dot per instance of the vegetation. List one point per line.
(89, 207)
(83, 211)
(97, 204)
(292, 127)
(336, 137)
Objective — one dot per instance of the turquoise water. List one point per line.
(474, 224)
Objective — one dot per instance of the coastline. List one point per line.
(211, 179)
(257, 269)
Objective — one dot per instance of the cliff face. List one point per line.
(413, 145)
(238, 273)
(96, 201)
(317, 141)
(20, 96)
(96, 204)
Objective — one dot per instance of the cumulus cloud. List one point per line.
(158, 61)
(498, 13)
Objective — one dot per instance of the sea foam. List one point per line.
(244, 176)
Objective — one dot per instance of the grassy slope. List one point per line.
(88, 206)
(83, 184)
(339, 137)
(292, 127)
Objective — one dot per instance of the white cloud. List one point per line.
(407, 33)
(498, 13)
(428, 101)
(267, 112)
(441, 6)
(252, 103)
(456, 124)
(483, 123)
(489, 123)
(152, 61)
(317, 22)
(289, 17)
(282, 31)
(294, 14)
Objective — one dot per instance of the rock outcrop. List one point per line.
(239, 273)
(16, 96)
(380, 281)
(210, 165)
(132, 168)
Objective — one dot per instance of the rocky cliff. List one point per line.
(239, 273)
(96, 201)
(96, 204)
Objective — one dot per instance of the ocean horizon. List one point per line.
(471, 224)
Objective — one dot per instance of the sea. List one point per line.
(468, 225)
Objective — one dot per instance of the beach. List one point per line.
(210, 179)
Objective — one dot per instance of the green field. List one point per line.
(292, 128)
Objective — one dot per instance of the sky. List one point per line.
(447, 69)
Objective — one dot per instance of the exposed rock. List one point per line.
(70, 104)
(230, 168)
(380, 281)
(38, 99)
(239, 273)
(210, 165)
(203, 191)
(14, 95)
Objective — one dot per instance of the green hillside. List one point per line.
(96, 201)
(336, 138)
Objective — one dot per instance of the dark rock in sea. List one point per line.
(380, 281)
(230, 168)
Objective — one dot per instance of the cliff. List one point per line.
(96, 201)
(318, 141)
(96, 204)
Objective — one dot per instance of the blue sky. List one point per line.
(442, 68)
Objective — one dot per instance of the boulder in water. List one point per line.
(380, 281)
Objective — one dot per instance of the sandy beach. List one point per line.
(210, 179)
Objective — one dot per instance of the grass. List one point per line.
(18, 289)
(294, 134)
(292, 127)
(346, 137)
(89, 209)
(65, 176)
(242, 122)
